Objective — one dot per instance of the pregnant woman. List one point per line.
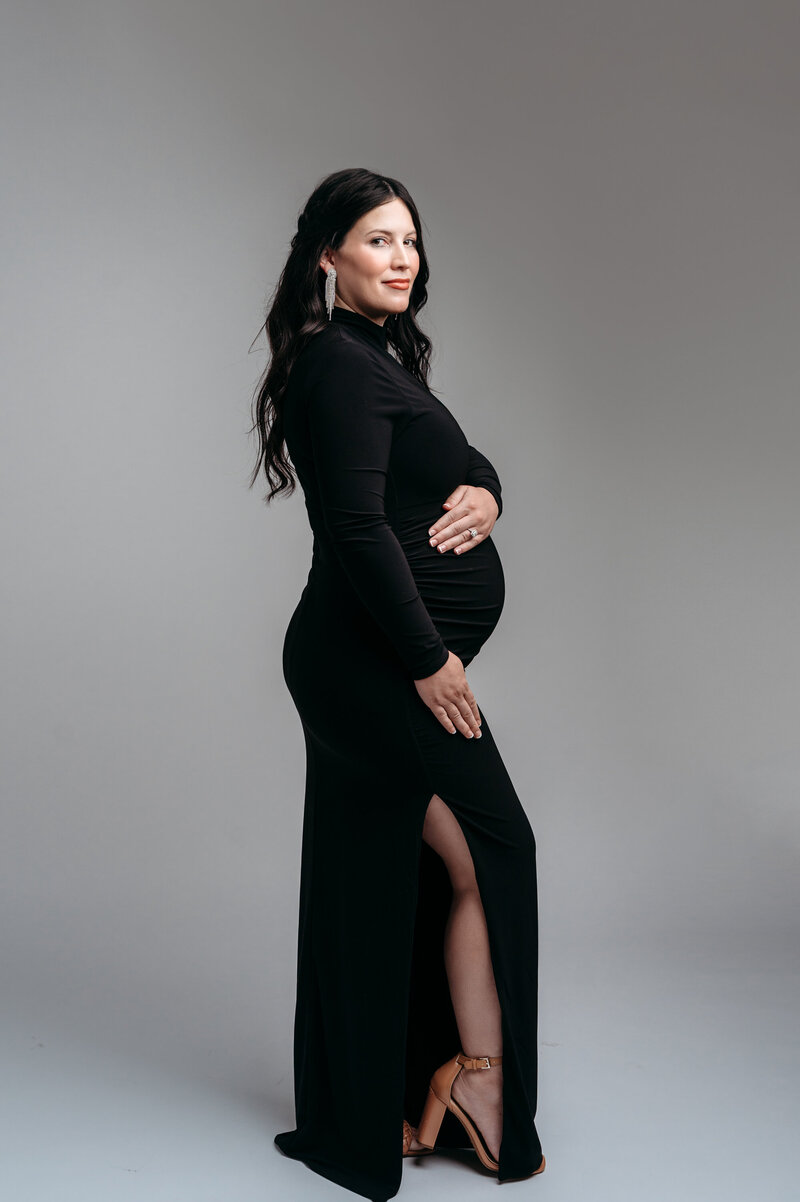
(417, 958)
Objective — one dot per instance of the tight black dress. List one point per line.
(376, 453)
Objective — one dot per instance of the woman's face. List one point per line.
(381, 247)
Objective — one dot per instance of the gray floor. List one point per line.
(669, 1069)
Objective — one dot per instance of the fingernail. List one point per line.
(434, 542)
(478, 734)
(441, 548)
(431, 530)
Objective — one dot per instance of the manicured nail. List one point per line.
(431, 530)
(434, 542)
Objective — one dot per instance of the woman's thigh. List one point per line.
(442, 831)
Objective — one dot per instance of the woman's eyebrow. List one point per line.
(389, 232)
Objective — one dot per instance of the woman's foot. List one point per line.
(480, 1093)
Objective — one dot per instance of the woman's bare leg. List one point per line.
(470, 975)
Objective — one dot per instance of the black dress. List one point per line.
(376, 454)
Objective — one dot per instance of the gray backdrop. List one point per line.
(610, 197)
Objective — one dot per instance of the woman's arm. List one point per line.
(351, 434)
(481, 473)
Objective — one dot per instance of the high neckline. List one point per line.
(359, 322)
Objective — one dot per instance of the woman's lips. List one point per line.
(397, 283)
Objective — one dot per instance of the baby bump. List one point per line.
(465, 593)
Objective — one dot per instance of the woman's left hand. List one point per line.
(468, 507)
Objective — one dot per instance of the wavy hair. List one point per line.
(297, 311)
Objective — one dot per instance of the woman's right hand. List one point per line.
(450, 699)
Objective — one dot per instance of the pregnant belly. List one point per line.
(464, 594)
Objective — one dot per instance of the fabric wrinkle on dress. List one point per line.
(376, 454)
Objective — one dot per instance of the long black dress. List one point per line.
(376, 454)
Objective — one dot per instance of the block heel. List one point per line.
(431, 1120)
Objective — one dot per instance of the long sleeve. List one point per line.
(481, 474)
(351, 425)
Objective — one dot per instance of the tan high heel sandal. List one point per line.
(440, 1099)
(408, 1133)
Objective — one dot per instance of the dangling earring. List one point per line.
(330, 290)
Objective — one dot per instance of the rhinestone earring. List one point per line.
(330, 290)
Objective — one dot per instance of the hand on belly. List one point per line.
(469, 507)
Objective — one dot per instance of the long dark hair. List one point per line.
(297, 307)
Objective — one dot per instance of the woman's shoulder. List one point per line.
(335, 349)
(336, 341)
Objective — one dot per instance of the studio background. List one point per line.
(610, 195)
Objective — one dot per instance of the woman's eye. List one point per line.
(412, 241)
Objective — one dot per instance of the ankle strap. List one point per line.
(478, 1061)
